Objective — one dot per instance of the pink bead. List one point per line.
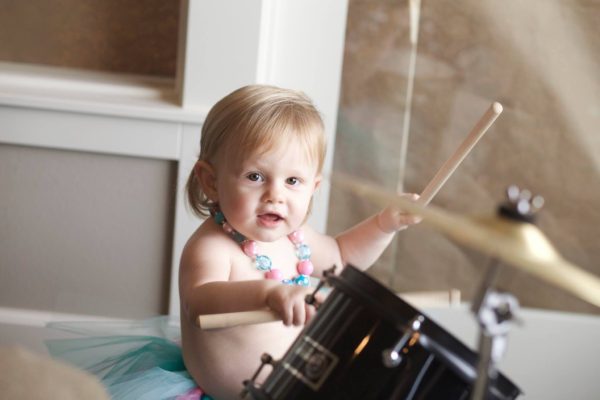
(274, 274)
(227, 228)
(305, 267)
(249, 247)
(296, 237)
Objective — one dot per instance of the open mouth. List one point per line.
(270, 219)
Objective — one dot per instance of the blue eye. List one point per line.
(292, 181)
(254, 177)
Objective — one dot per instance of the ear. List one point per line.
(318, 181)
(205, 173)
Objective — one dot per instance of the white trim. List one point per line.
(221, 49)
(87, 132)
(149, 110)
(185, 222)
(38, 318)
(78, 91)
(266, 40)
(27, 77)
(181, 51)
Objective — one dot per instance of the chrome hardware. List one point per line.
(311, 298)
(264, 360)
(392, 357)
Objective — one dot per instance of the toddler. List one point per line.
(261, 156)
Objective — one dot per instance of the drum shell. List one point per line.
(339, 354)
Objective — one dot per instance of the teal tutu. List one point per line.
(133, 359)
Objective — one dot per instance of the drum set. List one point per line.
(365, 342)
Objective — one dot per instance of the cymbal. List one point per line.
(520, 244)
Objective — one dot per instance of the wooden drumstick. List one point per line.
(227, 320)
(448, 168)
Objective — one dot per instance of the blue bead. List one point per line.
(303, 252)
(287, 282)
(263, 263)
(219, 218)
(302, 280)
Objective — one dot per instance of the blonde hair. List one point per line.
(253, 120)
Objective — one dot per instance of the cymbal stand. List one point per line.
(494, 312)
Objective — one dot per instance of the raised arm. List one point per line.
(364, 243)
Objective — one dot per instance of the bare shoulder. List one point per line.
(324, 248)
(207, 254)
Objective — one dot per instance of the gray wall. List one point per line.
(85, 233)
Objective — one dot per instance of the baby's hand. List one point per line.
(393, 219)
(288, 302)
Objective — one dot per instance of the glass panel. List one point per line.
(540, 59)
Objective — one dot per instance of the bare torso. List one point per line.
(220, 360)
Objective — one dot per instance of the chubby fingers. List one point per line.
(288, 302)
(393, 219)
(302, 313)
(299, 314)
(310, 312)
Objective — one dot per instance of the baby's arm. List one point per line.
(287, 301)
(364, 243)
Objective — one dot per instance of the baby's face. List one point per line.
(267, 195)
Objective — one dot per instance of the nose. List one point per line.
(274, 193)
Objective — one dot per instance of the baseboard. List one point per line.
(39, 318)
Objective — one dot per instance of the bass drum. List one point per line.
(341, 353)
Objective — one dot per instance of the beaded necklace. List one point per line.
(263, 262)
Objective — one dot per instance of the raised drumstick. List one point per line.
(459, 155)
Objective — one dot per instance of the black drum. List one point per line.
(346, 352)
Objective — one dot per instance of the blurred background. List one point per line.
(540, 60)
(72, 221)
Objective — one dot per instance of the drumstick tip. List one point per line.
(497, 107)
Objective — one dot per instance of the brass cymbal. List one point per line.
(520, 244)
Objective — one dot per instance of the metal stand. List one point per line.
(494, 312)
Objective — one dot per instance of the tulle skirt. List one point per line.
(133, 359)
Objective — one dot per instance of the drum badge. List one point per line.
(311, 363)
